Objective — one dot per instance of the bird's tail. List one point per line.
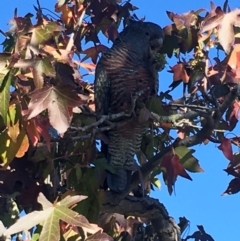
(120, 181)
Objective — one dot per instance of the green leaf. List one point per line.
(13, 121)
(169, 45)
(188, 161)
(12, 139)
(42, 34)
(102, 164)
(156, 182)
(78, 172)
(73, 218)
(5, 81)
(50, 217)
(28, 221)
(10, 214)
(188, 42)
(35, 237)
(41, 68)
(155, 105)
(51, 228)
(69, 201)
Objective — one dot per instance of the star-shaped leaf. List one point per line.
(42, 67)
(57, 101)
(42, 34)
(172, 167)
(50, 216)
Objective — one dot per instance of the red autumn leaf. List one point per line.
(233, 187)
(236, 140)
(236, 108)
(231, 117)
(32, 132)
(238, 65)
(23, 148)
(233, 60)
(67, 13)
(226, 31)
(171, 169)
(179, 73)
(226, 148)
(213, 20)
(42, 126)
(225, 21)
(93, 52)
(181, 133)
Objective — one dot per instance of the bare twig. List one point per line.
(176, 117)
(196, 107)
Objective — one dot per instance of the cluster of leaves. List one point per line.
(217, 30)
(48, 129)
(50, 216)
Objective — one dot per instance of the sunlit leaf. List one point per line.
(179, 73)
(10, 145)
(42, 34)
(5, 82)
(188, 161)
(89, 66)
(212, 22)
(28, 221)
(44, 202)
(32, 132)
(42, 68)
(50, 217)
(51, 229)
(2, 228)
(156, 182)
(73, 218)
(56, 100)
(13, 121)
(23, 148)
(69, 201)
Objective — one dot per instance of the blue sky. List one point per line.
(200, 201)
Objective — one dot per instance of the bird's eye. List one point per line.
(147, 33)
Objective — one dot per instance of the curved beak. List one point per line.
(156, 44)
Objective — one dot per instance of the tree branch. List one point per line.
(203, 134)
(145, 207)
